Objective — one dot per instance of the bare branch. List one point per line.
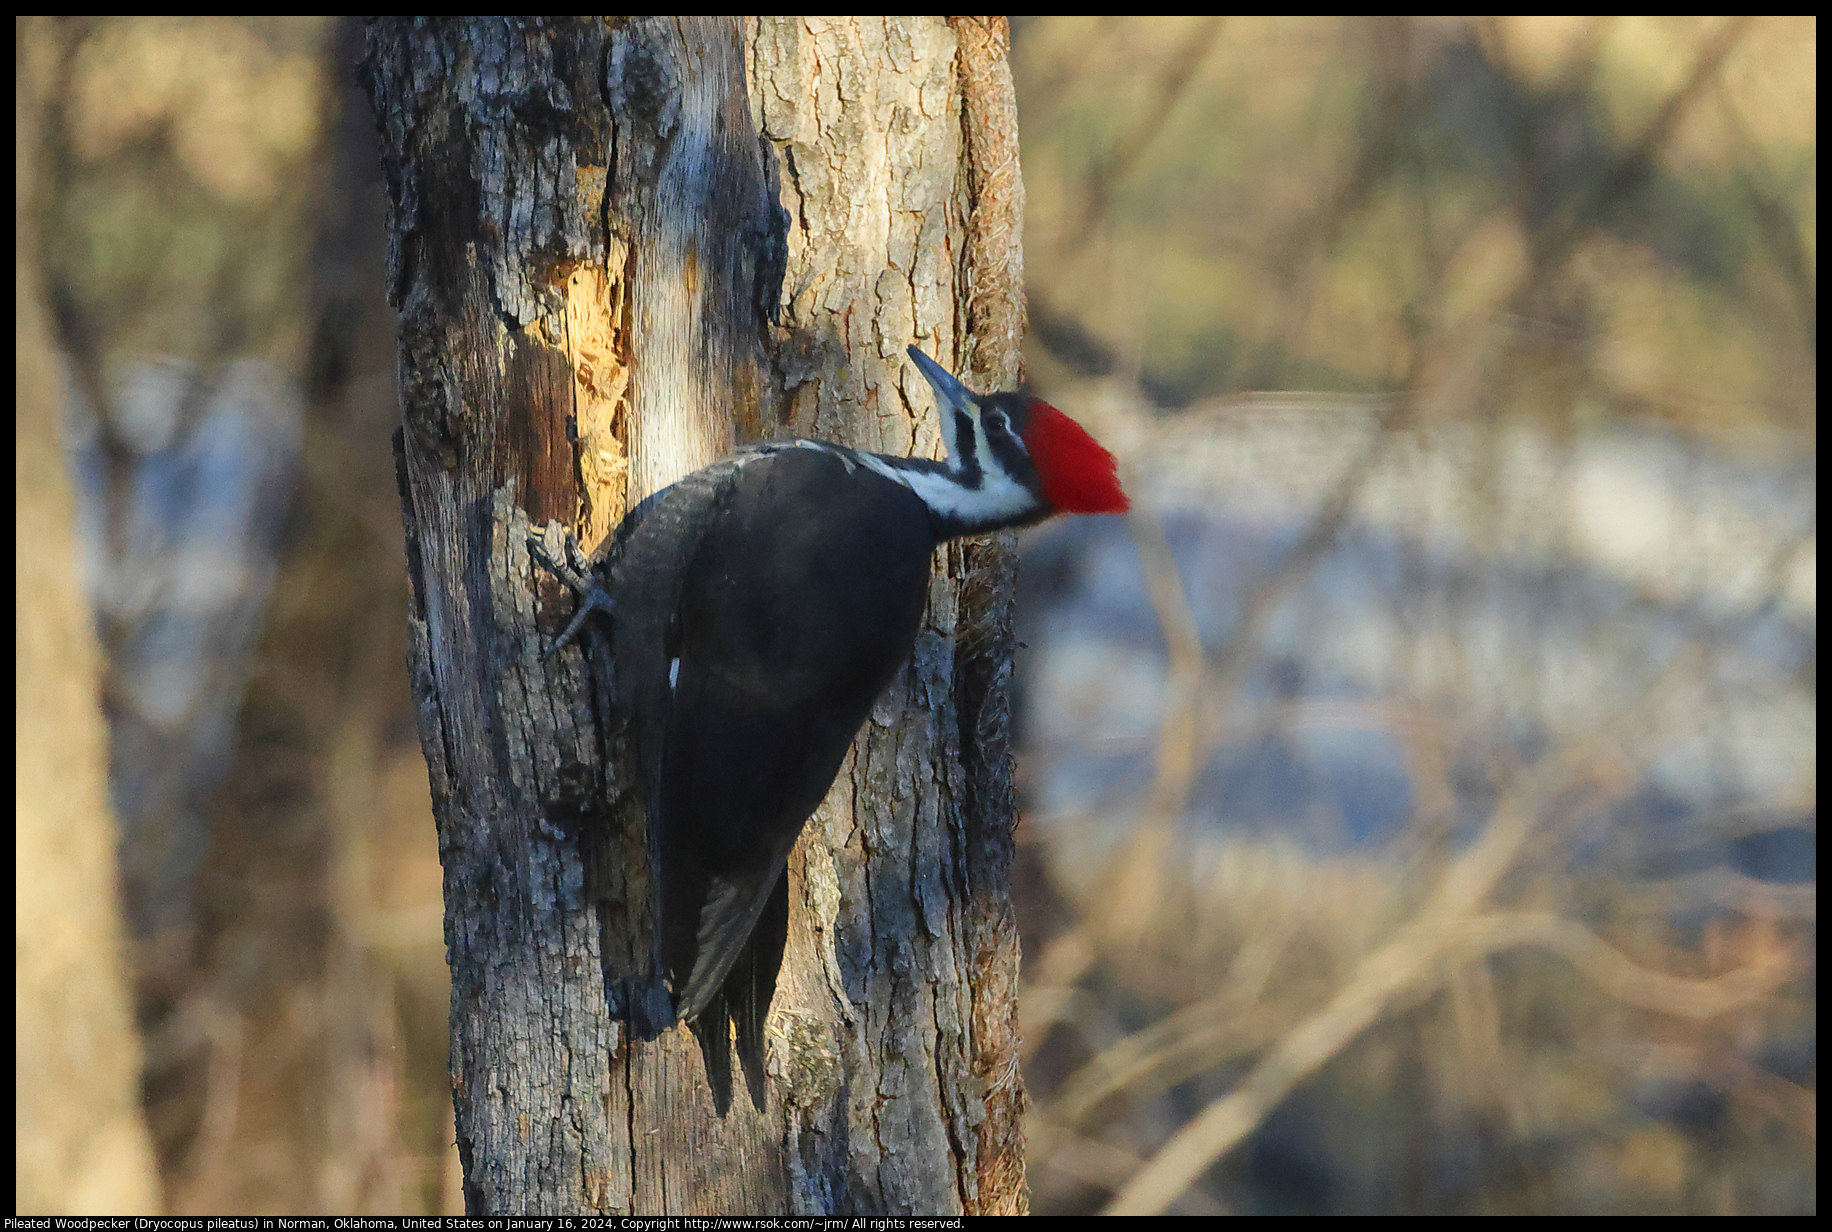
(1425, 953)
(1126, 152)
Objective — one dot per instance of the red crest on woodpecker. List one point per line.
(1078, 474)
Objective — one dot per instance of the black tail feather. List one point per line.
(741, 1005)
(712, 1028)
(752, 984)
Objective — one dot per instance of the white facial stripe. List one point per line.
(997, 497)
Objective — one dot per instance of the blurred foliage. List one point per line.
(1468, 238)
(1621, 209)
(211, 205)
(182, 223)
(1575, 222)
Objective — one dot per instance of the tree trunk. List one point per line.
(600, 291)
(82, 1142)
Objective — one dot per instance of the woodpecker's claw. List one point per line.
(593, 600)
(559, 553)
(554, 547)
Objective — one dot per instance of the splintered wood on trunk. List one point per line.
(619, 248)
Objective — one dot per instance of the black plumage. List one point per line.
(757, 608)
(755, 693)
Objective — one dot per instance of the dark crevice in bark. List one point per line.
(569, 1094)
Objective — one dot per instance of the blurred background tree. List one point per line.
(1421, 789)
(210, 214)
(1448, 844)
(78, 1079)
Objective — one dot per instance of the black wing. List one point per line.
(647, 565)
(720, 963)
(761, 606)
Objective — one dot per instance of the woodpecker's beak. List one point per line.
(949, 392)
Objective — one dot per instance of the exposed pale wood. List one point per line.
(586, 223)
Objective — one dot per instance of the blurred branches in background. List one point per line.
(1421, 788)
(209, 210)
(1438, 836)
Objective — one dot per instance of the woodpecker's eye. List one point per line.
(995, 421)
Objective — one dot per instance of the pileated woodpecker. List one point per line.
(756, 610)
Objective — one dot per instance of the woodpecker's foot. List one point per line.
(555, 549)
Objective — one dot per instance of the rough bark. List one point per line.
(898, 999)
(585, 246)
